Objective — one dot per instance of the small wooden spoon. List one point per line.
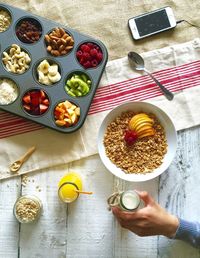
(18, 163)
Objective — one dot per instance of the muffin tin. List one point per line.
(68, 64)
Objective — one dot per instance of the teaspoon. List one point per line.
(18, 163)
(137, 63)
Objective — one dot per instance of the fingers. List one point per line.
(119, 213)
(147, 199)
(130, 221)
(123, 215)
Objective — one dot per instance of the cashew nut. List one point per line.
(17, 48)
(6, 56)
(20, 55)
(21, 70)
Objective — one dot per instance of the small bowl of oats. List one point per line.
(137, 141)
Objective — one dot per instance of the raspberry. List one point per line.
(87, 64)
(90, 45)
(99, 56)
(94, 63)
(130, 137)
(85, 48)
(86, 56)
(96, 47)
(79, 54)
(93, 52)
(81, 61)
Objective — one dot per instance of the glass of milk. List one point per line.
(126, 200)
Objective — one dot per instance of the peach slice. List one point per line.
(144, 129)
(147, 131)
(142, 124)
(139, 119)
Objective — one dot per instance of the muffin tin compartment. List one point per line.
(59, 42)
(16, 60)
(35, 102)
(78, 84)
(47, 72)
(66, 114)
(89, 55)
(68, 65)
(28, 30)
(9, 91)
(5, 19)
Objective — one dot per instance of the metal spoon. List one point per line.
(137, 63)
(18, 163)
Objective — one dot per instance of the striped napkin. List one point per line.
(177, 67)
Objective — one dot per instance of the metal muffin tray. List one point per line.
(68, 64)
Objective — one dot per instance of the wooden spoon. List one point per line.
(18, 163)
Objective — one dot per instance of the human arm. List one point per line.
(188, 232)
(149, 220)
(154, 220)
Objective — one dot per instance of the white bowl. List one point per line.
(170, 132)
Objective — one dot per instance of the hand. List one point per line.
(148, 221)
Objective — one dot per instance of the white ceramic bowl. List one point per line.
(170, 135)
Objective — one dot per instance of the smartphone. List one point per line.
(151, 23)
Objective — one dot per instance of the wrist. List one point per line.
(171, 226)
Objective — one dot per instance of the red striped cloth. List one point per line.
(107, 97)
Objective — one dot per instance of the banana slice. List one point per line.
(53, 70)
(43, 67)
(43, 79)
(54, 78)
(40, 76)
(46, 80)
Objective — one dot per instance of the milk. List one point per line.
(129, 200)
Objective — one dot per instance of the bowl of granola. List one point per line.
(137, 141)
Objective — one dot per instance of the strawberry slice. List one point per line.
(42, 94)
(35, 102)
(43, 108)
(45, 102)
(35, 98)
(27, 107)
(27, 98)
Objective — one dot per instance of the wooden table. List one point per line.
(85, 228)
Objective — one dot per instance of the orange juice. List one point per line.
(68, 186)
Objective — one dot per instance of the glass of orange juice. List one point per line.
(69, 186)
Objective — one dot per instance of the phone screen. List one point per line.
(153, 22)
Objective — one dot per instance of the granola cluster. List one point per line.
(145, 155)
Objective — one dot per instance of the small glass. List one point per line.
(69, 187)
(126, 200)
(27, 208)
